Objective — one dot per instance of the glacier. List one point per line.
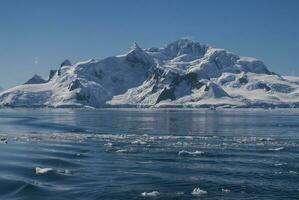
(182, 74)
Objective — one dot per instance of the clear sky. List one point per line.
(37, 35)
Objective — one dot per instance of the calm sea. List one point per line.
(125, 154)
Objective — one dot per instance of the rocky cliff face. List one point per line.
(181, 74)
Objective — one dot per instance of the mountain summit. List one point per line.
(183, 73)
(36, 79)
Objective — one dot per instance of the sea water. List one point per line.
(109, 154)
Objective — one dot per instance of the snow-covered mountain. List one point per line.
(1, 89)
(181, 74)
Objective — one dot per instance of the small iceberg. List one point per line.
(126, 151)
(140, 142)
(109, 144)
(3, 141)
(280, 164)
(190, 153)
(150, 194)
(122, 151)
(198, 192)
(277, 149)
(225, 190)
(180, 193)
(67, 172)
(39, 170)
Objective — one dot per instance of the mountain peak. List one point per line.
(135, 46)
(185, 46)
(138, 55)
(183, 41)
(36, 79)
(66, 63)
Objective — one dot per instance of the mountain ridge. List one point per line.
(184, 73)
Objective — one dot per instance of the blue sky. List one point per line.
(36, 36)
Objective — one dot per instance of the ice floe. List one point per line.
(126, 151)
(150, 194)
(279, 164)
(277, 149)
(39, 170)
(3, 141)
(190, 153)
(198, 192)
(140, 142)
(109, 144)
(225, 190)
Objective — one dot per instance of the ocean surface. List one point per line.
(110, 154)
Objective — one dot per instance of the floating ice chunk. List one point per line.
(180, 193)
(122, 151)
(277, 149)
(190, 153)
(67, 172)
(150, 194)
(279, 164)
(3, 140)
(225, 190)
(198, 192)
(126, 151)
(39, 170)
(110, 144)
(138, 142)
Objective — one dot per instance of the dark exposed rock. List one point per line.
(82, 97)
(206, 88)
(74, 85)
(66, 63)
(190, 78)
(52, 74)
(264, 86)
(258, 85)
(282, 88)
(243, 80)
(155, 72)
(167, 93)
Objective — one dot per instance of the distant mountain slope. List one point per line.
(181, 74)
(36, 79)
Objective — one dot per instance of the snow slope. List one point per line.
(181, 74)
